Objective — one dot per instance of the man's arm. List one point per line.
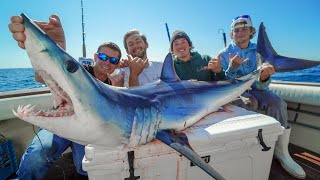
(265, 78)
(133, 80)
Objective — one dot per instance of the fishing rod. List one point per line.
(224, 37)
(84, 53)
(168, 32)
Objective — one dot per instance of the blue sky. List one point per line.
(292, 25)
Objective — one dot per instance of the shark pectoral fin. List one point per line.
(179, 142)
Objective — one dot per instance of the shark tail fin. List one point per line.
(179, 142)
(168, 74)
(266, 54)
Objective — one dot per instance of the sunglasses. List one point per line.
(243, 16)
(105, 57)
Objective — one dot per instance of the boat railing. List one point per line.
(40, 97)
(298, 92)
(24, 92)
(303, 101)
(296, 83)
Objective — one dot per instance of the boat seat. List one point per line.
(304, 93)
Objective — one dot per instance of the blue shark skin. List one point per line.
(266, 53)
(88, 111)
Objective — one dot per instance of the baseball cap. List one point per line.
(241, 21)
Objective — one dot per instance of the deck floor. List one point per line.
(308, 160)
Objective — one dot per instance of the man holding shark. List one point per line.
(239, 59)
(36, 161)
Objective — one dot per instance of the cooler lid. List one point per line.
(229, 124)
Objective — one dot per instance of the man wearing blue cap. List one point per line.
(189, 64)
(239, 59)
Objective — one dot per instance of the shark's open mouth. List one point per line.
(62, 104)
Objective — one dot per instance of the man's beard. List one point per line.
(141, 55)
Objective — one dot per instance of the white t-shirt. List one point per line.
(149, 75)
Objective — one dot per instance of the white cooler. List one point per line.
(227, 140)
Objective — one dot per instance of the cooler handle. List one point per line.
(260, 138)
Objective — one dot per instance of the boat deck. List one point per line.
(64, 169)
(308, 160)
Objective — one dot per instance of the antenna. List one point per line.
(84, 54)
(224, 37)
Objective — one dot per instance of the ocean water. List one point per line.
(23, 78)
(17, 79)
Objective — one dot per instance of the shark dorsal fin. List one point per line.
(264, 46)
(265, 51)
(168, 74)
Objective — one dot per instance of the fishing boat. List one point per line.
(303, 101)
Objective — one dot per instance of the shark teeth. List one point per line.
(25, 111)
(30, 111)
(62, 103)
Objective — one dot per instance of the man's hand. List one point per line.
(53, 28)
(136, 66)
(118, 79)
(236, 61)
(124, 63)
(214, 65)
(267, 71)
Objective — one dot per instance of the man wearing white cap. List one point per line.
(239, 59)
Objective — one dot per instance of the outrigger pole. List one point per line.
(224, 37)
(168, 32)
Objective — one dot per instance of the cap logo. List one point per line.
(241, 21)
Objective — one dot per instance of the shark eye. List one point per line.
(72, 66)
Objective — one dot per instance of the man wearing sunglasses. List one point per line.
(39, 156)
(139, 70)
(239, 59)
(107, 60)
